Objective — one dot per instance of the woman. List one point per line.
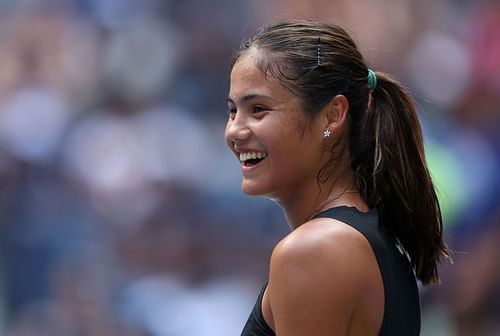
(339, 148)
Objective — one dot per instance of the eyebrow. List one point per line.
(249, 97)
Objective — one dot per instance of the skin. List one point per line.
(324, 278)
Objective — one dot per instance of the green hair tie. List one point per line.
(372, 79)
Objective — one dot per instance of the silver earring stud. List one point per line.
(326, 133)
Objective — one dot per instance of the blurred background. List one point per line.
(120, 207)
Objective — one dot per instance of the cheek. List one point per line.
(285, 149)
(297, 151)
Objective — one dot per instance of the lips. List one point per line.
(252, 158)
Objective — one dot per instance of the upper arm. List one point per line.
(315, 282)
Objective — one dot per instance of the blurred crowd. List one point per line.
(120, 207)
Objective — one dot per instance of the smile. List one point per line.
(249, 159)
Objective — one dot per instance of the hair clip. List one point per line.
(319, 50)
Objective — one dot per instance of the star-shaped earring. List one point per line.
(326, 133)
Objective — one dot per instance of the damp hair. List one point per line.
(317, 61)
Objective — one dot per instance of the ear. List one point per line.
(336, 113)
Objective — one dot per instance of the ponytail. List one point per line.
(388, 160)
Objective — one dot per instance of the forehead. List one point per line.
(248, 78)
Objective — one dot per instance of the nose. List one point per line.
(237, 131)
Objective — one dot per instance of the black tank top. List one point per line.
(402, 305)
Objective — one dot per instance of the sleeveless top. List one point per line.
(401, 299)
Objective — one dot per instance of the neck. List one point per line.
(302, 205)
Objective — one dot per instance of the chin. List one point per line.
(253, 189)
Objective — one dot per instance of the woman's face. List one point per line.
(280, 148)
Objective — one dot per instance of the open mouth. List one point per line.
(251, 162)
(250, 159)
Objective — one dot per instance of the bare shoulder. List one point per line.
(327, 241)
(318, 276)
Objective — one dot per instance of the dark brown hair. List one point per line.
(317, 61)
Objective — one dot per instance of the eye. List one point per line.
(258, 109)
(231, 112)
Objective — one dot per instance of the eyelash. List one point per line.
(259, 108)
(255, 110)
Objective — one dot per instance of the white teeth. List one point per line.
(252, 155)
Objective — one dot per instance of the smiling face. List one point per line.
(281, 148)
